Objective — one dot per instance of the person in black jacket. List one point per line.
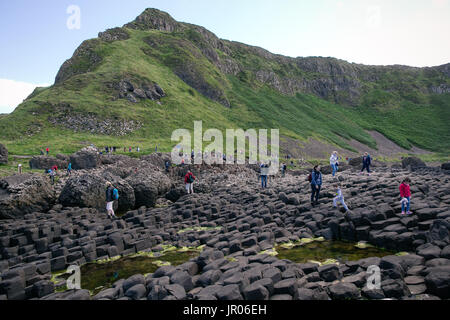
(110, 200)
(367, 161)
(316, 185)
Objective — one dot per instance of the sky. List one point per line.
(37, 36)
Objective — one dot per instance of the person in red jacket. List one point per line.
(405, 193)
(189, 179)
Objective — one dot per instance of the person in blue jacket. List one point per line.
(367, 161)
(316, 184)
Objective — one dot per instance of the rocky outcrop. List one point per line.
(3, 154)
(134, 92)
(114, 34)
(86, 158)
(47, 162)
(413, 163)
(23, 194)
(153, 19)
(89, 191)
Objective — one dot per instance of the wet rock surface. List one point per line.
(235, 220)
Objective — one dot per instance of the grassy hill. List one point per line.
(227, 85)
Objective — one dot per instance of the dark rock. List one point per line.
(136, 292)
(343, 291)
(256, 291)
(412, 162)
(23, 194)
(330, 272)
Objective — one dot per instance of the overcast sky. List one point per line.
(38, 36)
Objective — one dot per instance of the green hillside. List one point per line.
(227, 85)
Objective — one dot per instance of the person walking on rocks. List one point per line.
(47, 150)
(52, 174)
(405, 193)
(19, 168)
(316, 184)
(367, 161)
(110, 200)
(334, 162)
(69, 168)
(189, 179)
(339, 196)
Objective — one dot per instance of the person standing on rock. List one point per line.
(367, 161)
(110, 200)
(42, 152)
(69, 168)
(52, 174)
(263, 172)
(19, 168)
(189, 179)
(316, 184)
(47, 150)
(167, 165)
(334, 162)
(405, 193)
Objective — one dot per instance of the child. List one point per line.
(405, 193)
(339, 196)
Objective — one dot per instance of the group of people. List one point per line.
(314, 178)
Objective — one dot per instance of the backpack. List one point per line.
(115, 194)
(190, 179)
(310, 177)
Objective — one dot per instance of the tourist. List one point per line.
(69, 168)
(263, 173)
(405, 193)
(192, 156)
(316, 184)
(130, 149)
(106, 150)
(189, 179)
(110, 200)
(42, 152)
(19, 168)
(52, 174)
(334, 162)
(367, 161)
(138, 149)
(47, 150)
(283, 169)
(55, 167)
(339, 196)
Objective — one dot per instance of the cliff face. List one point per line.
(328, 78)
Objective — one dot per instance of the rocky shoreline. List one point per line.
(239, 222)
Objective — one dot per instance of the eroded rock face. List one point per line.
(3, 154)
(135, 91)
(22, 194)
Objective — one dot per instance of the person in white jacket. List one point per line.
(334, 162)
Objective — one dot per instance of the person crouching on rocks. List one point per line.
(189, 179)
(405, 193)
(110, 200)
(339, 196)
(316, 184)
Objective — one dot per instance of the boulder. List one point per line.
(148, 184)
(438, 282)
(3, 154)
(412, 162)
(86, 158)
(85, 191)
(445, 166)
(344, 291)
(25, 193)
